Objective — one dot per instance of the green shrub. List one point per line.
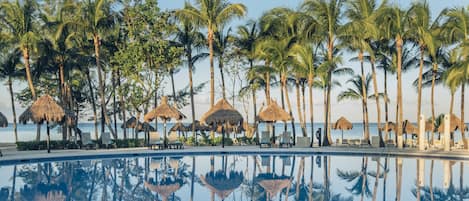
(41, 145)
(217, 141)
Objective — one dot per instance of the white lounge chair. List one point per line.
(106, 139)
(86, 141)
(265, 139)
(155, 141)
(173, 141)
(285, 139)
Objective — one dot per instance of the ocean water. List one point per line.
(28, 132)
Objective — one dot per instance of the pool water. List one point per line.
(238, 178)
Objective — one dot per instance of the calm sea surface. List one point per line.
(28, 132)
(238, 178)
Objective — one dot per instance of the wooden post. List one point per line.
(446, 136)
(421, 136)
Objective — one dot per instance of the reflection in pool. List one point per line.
(238, 178)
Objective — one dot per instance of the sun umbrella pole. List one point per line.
(164, 130)
(223, 135)
(48, 138)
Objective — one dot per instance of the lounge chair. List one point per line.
(265, 139)
(86, 141)
(303, 142)
(106, 139)
(173, 141)
(155, 141)
(285, 139)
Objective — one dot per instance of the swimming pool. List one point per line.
(237, 178)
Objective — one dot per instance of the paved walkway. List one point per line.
(11, 156)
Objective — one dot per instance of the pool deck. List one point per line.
(11, 156)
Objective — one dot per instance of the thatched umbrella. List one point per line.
(26, 116)
(391, 126)
(429, 126)
(3, 120)
(272, 183)
(130, 123)
(198, 126)
(342, 124)
(222, 113)
(454, 124)
(165, 112)
(273, 112)
(164, 188)
(222, 184)
(46, 109)
(409, 128)
(144, 127)
(178, 127)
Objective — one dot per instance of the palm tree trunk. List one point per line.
(114, 98)
(378, 105)
(220, 66)
(463, 137)
(191, 85)
(62, 95)
(93, 103)
(298, 106)
(287, 97)
(10, 88)
(171, 74)
(282, 96)
(304, 108)
(399, 87)
(255, 113)
(419, 97)
(121, 99)
(432, 98)
(104, 116)
(327, 127)
(27, 66)
(451, 103)
(364, 99)
(311, 106)
(212, 74)
(386, 110)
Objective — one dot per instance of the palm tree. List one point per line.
(356, 94)
(19, 17)
(96, 19)
(222, 43)
(362, 18)
(423, 35)
(189, 38)
(8, 70)
(395, 25)
(303, 58)
(327, 13)
(211, 14)
(456, 29)
(246, 40)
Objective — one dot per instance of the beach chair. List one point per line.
(173, 141)
(86, 141)
(285, 139)
(303, 142)
(155, 141)
(265, 139)
(106, 139)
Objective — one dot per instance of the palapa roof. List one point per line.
(130, 123)
(222, 112)
(165, 190)
(454, 124)
(179, 127)
(198, 127)
(145, 127)
(164, 111)
(43, 109)
(429, 126)
(3, 120)
(272, 183)
(222, 184)
(410, 128)
(273, 112)
(342, 124)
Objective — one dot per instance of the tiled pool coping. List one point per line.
(22, 157)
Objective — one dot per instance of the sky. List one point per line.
(350, 109)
